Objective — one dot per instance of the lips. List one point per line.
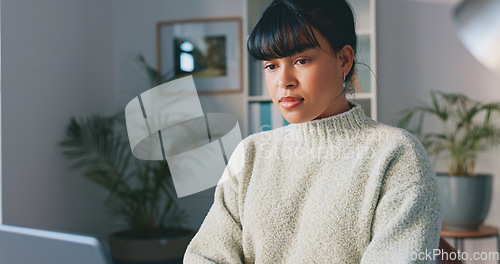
(289, 102)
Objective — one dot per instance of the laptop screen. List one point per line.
(20, 245)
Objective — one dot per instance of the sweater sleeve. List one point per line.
(407, 219)
(219, 238)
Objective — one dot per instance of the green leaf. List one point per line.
(140, 192)
(467, 128)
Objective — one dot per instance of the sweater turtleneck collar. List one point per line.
(325, 128)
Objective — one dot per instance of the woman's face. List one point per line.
(308, 85)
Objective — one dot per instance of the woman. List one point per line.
(332, 187)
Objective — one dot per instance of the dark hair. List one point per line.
(285, 28)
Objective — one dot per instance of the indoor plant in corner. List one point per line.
(467, 129)
(141, 192)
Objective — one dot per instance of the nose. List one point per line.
(287, 79)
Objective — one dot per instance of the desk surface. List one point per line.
(482, 231)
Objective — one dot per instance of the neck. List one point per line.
(339, 105)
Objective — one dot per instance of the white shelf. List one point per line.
(360, 96)
(363, 32)
(259, 98)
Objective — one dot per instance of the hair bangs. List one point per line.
(280, 33)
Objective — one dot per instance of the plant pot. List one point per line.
(465, 200)
(167, 247)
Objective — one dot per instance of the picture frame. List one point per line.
(209, 49)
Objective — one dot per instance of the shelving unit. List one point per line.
(262, 115)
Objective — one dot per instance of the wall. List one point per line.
(135, 33)
(418, 50)
(56, 63)
(1, 203)
(63, 58)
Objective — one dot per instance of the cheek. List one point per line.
(324, 84)
(317, 81)
(329, 79)
(270, 84)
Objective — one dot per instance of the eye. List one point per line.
(302, 61)
(270, 67)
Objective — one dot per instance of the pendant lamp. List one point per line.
(478, 26)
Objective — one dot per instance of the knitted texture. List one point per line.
(342, 189)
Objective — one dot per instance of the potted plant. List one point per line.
(467, 129)
(141, 192)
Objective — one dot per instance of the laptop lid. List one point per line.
(21, 245)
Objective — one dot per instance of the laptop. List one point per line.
(21, 245)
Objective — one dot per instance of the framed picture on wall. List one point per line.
(208, 49)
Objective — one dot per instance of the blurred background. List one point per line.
(64, 58)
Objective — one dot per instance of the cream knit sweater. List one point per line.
(343, 189)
